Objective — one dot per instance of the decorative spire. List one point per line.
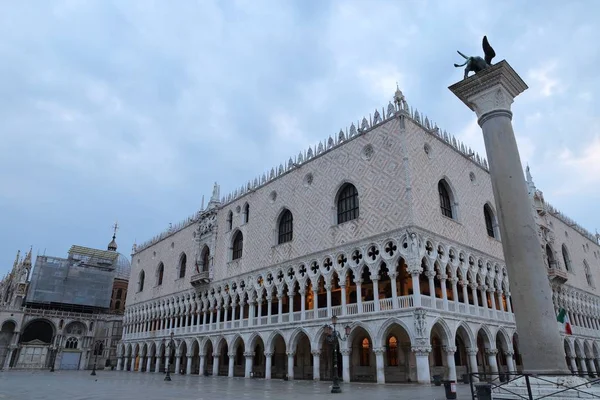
(16, 263)
(27, 260)
(112, 246)
(214, 199)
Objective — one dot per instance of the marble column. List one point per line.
(474, 294)
(454, 282)
(583, 365)
(510, 361)
(465, 291)
(215, 370)
(269, 300)
(343, 293)
(492, 362)
(376, 305)
(231, 365)
(450, 350)
(202, 366)
(443, 278)
(574, 368)
(302, 304)
(157, 364)
(248, 367)
(315, 301)
(279, 307)
(359, 296)
(591, 367)
(379, 364)
(125, 362)
(394, 290)
(416, 288)
(328, 289)
(148, 363)
(316, 365)
(489, 94)
(473, 368)
(345, 365)
(268, 364)
(132, 367)
(188, 367)
(290, 365)
(177, 363)
(422, 358)
(119, 363)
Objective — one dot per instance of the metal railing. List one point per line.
(515, 385)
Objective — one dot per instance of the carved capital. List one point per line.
(215, 355)
(509, 353)
(268, 354)
(249, 354)
(379, 350)
(316, 353)
(345, 352)
(491, 352)
(449, 349)
(471, 351)
(421, 350)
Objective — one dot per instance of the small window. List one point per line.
(445, 203)
(238, 246)
(205, 259)
(118, 305)
(182, 265)
(119, 294)
(246, 213)
(566, 258)
(365, 353)
(286, 227)
(489, 220)
(230, 220)
(141, 281)
(347, 203)
(161, 272)
(71, 343)
(550, 257)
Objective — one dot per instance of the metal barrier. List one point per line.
(514, 385)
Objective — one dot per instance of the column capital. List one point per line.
(472, 351)
(215, 355)
(421, 350)
(509, 353)
(249, 354)
(316, 352)
(449, 349)
(291, 353)
(268, 354)
(491, 352)
(231, 355)
(345, 352)
(379, 350)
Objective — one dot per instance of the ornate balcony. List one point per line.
(199, 279)
(556, 274)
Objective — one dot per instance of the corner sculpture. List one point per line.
(476, 63)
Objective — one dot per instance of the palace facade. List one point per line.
(390, 226)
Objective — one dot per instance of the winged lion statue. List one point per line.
(476, 63)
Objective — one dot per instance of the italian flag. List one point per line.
(563, 318)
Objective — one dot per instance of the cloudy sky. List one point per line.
(130, 110)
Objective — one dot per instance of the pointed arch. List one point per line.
(230, 220)
(269, 345)
(466, 334)
(347, 203)
(294, 337)
(246, 212)
(237, 245)
(182, 265)
(204, 259)
(447, 199)
(566, 257)
(285, 226)
(490, 221)
(440, 327)
(141, 279)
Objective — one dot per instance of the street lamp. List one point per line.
(168, 376)
(98, 343)
(333, 337)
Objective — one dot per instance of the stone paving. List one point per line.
(75, 385)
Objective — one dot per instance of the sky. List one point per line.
(131, 110)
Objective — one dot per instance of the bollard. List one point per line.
(484, 391)
(450, 387)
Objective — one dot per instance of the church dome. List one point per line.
(123, 267)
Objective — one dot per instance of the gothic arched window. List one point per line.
(205, 259)
(566, 258)
(246, 213)
(230, 220)
(445, 199)
(141, 281)
(182, 265)
(347, 203)
(550, 257)
(489, 220)
(238, 246)
(286, 227)
(71, 343)
(119, 293)
(160, 273)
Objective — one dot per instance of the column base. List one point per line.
(549, 387)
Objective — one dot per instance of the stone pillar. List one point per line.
(379, 363)
(450, 350)
(455, 291)
(148, 364)
(248, 367)
(394, 290)
(231, 365)
(510, 362)
(316, 300)
(422, 357)
(290, 365)
(509, 302)
(492, 362)
(251, 309)
(473, 368)
(574, 368)
(188, 367)
(465, 292)
(474, 294)
(316, 365)
(591, 367)
(202, 366)
(491, 291)
(280, 308)
(177, 363)
(291, 303)
(302, 304)
(268, 364)
(430, 275)
(343, 293)
(346, 365)
(483, 291)
(490, 94)
(215, 370)
(376, 305)
(132, 366)
(500, 305)
(157, 364)
(443, 278)
(125, 362)
(359, 296)
(269, 303)
(119, 363)
(582, 363)
(328, 289)
(416, 288)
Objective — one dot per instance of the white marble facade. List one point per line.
(418, 275)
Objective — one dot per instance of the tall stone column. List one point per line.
(202, 366)
(492, 361)
(148, 363)
(177, 363)
(345, 365)
(394, 289)
(376, 305)
(416, 288)
(215, 370)
(573, 364)
(422, 358)
(188, 367)
(290, 365)
(248, 367)
(591, 367)
(119, 364)
(379, 363)
(510, 361)
(489, 94)
(231, 365)
(157, 364)
(316, 365)
(268, 364)
(343, 293)
(450, 350)
(473, 368)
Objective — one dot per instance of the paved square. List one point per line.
(71, 385)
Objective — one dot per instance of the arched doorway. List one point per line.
(259, 360)
(238, 348)
(465, 364)
(6, 336)
(438, 360)
(483, 362)
(195, 357)
(303, 361)
(35, 346)
(362, 358)
(279, 362)
(152, 357)
(208, 358)
(398, 355)
(223, 358)
(182, 358)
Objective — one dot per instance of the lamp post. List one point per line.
(168, 376)
(96, 344)
(333, 337)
